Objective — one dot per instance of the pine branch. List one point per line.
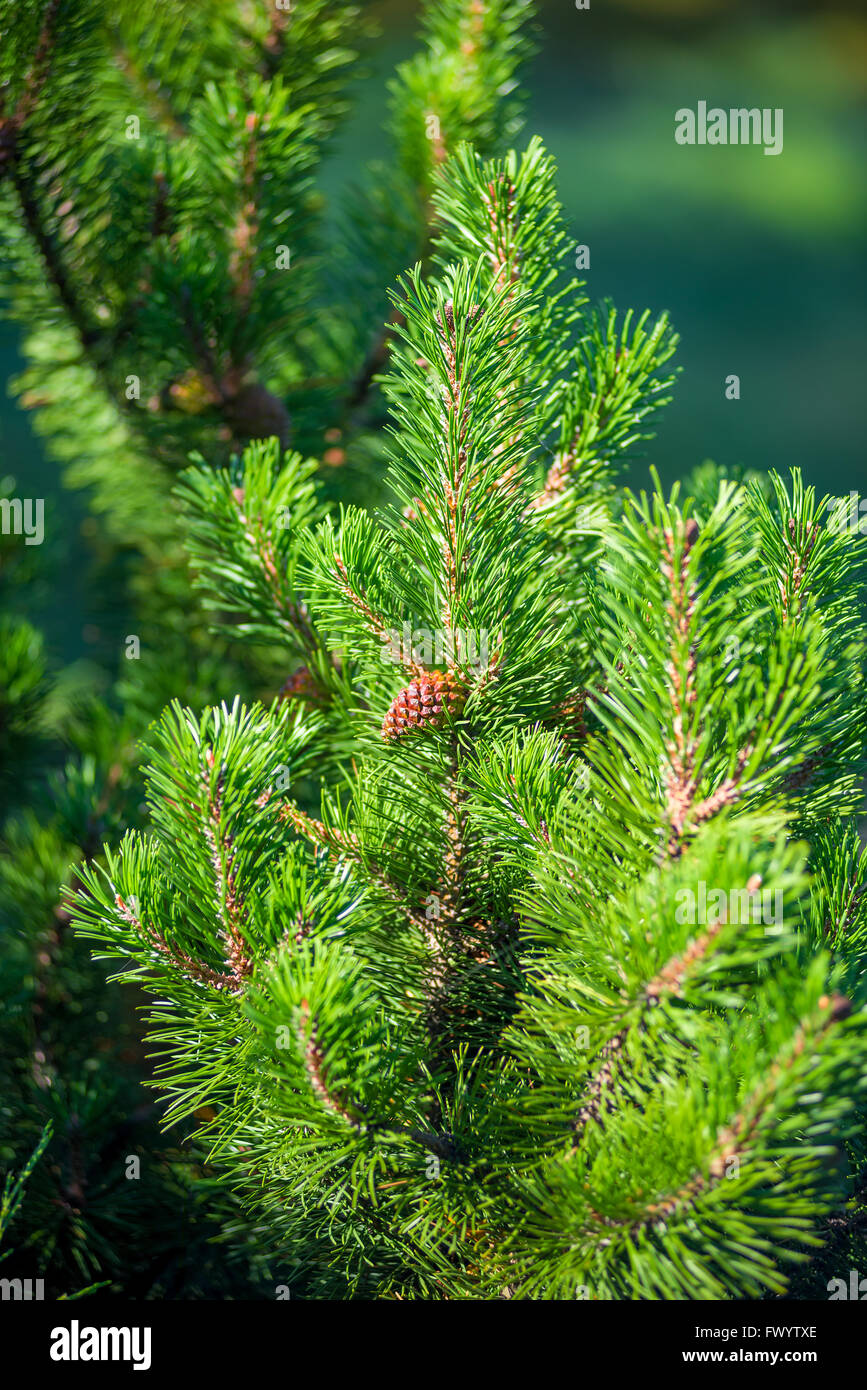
(202, 974)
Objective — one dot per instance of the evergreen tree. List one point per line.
(163, 241)
(163, 245)
(560, 994)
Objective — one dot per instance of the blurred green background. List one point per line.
(758, 259)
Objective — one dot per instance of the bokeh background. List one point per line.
(759, 260)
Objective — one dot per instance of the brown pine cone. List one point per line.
(426, 703)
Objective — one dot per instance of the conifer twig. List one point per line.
(356, 1115)
(733, 1140)
(230, 903)
(202, 974)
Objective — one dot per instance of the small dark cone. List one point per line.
(301, 686)
(255, 413)
(426, 703)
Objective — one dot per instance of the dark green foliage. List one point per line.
(162, 233)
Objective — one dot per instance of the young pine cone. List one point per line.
(424, 704)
